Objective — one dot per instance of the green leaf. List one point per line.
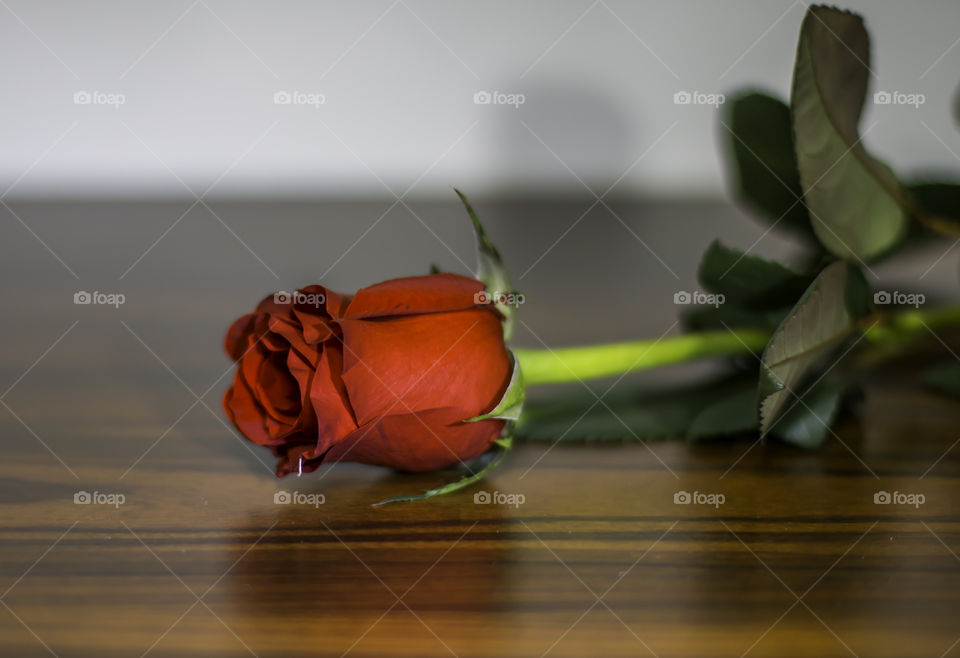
(944, 378)
(761, 139)
(734, 412)
(756, 292)
(511, 404)
(627, 413)
(480, 468)
(573, 419)
(491, 270)
(749, 281)
(806, 424)
(854, 200)
(826, 314)
(435, 269)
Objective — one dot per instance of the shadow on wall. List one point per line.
(568, 133)
(576, 256)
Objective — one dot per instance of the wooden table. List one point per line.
(598, 560)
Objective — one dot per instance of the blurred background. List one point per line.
(194, 156)
(175, 162)
(367, 99)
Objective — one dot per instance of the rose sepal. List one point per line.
(491, 270)
(511, 404)
(489, 461)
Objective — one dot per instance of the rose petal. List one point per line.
(335, 304)
(277, 389)
(315, 318)
(290, 455)
(254, 399)
(236, 342)
(303, 373)
(328, 396)
(291, 331)
(314, 328)
(427, 361)
(425, 441)
(419, 294)
(245, 412)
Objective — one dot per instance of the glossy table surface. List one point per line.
(199, 559)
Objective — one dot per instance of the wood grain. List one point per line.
(200, 561)
(481, 580)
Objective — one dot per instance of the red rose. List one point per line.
(385, 377)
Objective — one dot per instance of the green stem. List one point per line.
(595, 361)
(568, 364)
(908, 325)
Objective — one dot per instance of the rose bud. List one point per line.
(386, 377)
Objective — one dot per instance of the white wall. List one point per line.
(199, 80)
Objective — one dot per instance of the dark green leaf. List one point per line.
(757, 293)
(749, 281)
(761, 138)
(944, 378)
(628, 413)
(806, 424)
(854, 200)
(826, 315)
(573, 419)
(733, 412)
